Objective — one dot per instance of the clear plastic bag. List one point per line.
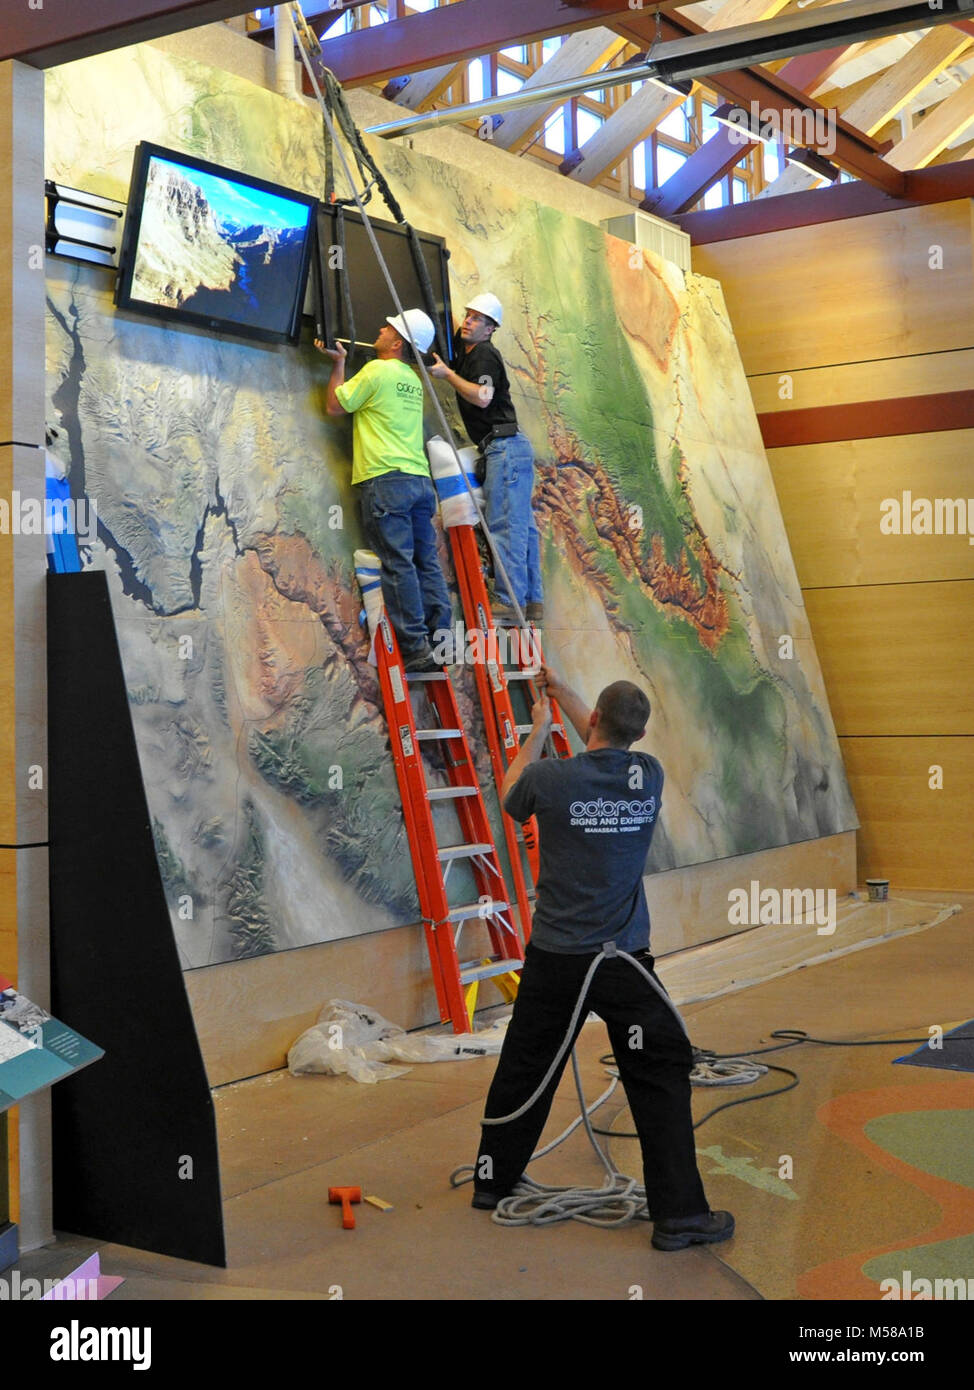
(352, 1040)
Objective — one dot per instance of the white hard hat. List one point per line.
(415, 327)
(487, 304)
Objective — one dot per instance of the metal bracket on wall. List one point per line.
(82, 226)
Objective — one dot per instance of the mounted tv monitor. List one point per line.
(356, 310)
(213, 247)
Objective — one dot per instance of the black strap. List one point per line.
(338, 109)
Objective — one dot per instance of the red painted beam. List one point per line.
(826, 424)
(855, 151)
(704, 167)
(810, 70)
(722, 151)
(939, 183)
(62, 32)
(464, 30)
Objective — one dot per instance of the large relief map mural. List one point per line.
(227, 526)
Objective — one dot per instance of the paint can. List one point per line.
(878, 889)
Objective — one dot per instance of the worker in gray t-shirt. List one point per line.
(596, 815)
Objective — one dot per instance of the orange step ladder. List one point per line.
(442, 730)
(508, 660)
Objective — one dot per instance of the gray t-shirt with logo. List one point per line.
(596, 816)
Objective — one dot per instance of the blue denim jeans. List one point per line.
(397, 518)
(508, 487)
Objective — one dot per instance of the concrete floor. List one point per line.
(285, 1140)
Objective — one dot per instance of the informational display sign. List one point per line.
(35, 1049)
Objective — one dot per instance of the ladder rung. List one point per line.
(412, 676)
(521, 675)
(447, 793)
(470, 910)
(425, 735)
(526, 728)
(476, 971)
(463, 851)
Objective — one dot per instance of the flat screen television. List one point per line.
(353, 306)
(209, 246)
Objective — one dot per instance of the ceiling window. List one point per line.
(507, 82)
(475, 80)
(554, 133)
(675, 123)
(708, 125)
(586, 124)
(774, 162)
(668, 162)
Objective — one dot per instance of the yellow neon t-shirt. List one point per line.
(386, 400)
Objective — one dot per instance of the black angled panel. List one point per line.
(135, 1147)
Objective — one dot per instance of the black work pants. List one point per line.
(654, 1061)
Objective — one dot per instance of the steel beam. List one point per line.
(688, 51)
(456, 32)
(60, 33)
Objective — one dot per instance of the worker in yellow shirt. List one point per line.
(390, 474)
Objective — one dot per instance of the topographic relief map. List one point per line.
(227, 527)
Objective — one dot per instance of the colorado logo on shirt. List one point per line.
(603, 815)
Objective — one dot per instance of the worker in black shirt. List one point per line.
(483, 392)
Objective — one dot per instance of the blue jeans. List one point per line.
(397, 517)
(508, 486)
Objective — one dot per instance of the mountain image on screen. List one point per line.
(215, 247)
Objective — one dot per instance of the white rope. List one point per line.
(620, 1199)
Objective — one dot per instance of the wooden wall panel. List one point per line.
(896, 657)
(8, 797)
(879, 380)
(817, 296)
(23, 895)
(912, 834)
(249, 1012)
(831, 497)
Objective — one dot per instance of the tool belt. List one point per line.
(498, 432)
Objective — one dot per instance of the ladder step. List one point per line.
(521, 675)
(426, 735)
(526, 728)
(470, 910)
(463, 851)
(413, 676)
(476, 971)
(447, 793)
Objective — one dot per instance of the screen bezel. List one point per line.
(146, 151)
